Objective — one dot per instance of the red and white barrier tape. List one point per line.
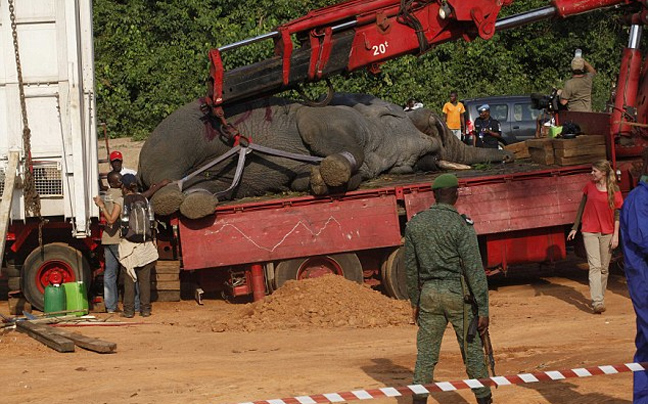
(410, 390)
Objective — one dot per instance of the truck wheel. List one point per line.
(393, 275)
(347, 265)
(54, 263)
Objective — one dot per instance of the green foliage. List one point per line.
(151, 56)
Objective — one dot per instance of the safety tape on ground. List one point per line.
(523, 378)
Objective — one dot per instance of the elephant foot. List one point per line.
(167, 200)
(336, 170)
(317, 184)
(197, 204)
(448, 165)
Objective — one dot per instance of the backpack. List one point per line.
(137, 219)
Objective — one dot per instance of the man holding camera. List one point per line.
(577, 94)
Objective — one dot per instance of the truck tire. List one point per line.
(347, 265)
(54, 263)
(393, 275)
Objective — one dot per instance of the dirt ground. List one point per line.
(328, 336)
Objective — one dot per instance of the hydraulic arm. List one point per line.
(363, 34)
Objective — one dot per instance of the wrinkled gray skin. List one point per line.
(359, 135)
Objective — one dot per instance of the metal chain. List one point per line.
(32, 199)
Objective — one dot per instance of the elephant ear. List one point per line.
(429, 123)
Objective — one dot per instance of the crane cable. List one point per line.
(32, 199)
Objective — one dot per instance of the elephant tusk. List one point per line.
(448, 165)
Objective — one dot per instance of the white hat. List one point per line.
(578, 64)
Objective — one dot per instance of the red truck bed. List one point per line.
(501, 200)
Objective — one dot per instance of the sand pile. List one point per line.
(324, 302)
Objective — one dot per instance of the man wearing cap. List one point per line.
(443, 266)
(487, 129)
(116, 162)
(577, 94)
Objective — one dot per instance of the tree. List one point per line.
(151, 56)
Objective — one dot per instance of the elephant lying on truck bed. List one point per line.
(359, 136)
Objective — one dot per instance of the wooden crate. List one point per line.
(541, 151)
(519, 149)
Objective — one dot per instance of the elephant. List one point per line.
(355, 137)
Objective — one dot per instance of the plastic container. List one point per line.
(76, 297)
(578, 53)
(55, 300)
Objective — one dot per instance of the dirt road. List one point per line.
(187, 353)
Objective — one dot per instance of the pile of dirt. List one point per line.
(325, 302)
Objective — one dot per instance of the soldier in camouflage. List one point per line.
(437, 242)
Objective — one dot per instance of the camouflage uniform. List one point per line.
(435, 242)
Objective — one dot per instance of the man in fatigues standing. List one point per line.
(438, 242)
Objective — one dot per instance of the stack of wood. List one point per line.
(541, 150)
(584, 149)
(62, 340)
(519, 149)
(165, 281)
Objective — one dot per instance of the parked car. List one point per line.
(514, 112)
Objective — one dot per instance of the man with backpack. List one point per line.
(137, 250)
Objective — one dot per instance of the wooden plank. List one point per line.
(7, 197)
(519, 149)
(545, 144)
(165, 295)
(578, 141)
(586, 150)
(44, 334)
(515, 147)
(89, 343)
(542, 156)
(166, 285)
(167, 267)
(166, 277)
(569, 161)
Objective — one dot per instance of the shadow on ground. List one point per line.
(390, 374)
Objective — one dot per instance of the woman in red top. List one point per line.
(599, 210)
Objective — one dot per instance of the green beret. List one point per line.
(445, 181)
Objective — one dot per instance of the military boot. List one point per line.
(485, 400)
(416, 399)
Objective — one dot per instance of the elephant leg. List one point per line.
(167, 200)
(354, 182)
(198, 203)
(317, 184)
(337, 169)
(337, 133)
(301, 182)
